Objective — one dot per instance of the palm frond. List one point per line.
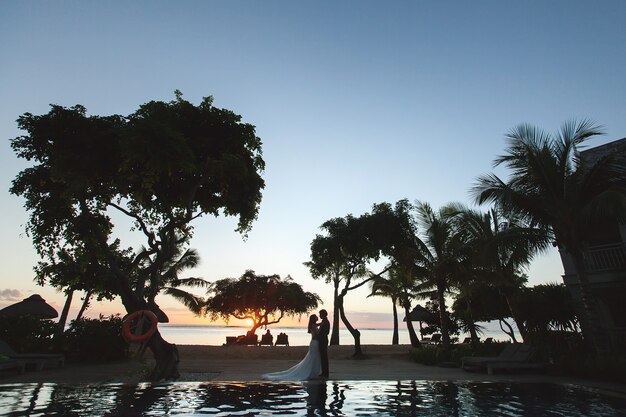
(190, 282)
(193, 302)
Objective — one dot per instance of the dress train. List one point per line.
(307, 368)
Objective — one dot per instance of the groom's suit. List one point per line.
(323, 345)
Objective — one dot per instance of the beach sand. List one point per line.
(248, 363)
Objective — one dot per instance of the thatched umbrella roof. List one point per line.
(32, 306)
(420, 313)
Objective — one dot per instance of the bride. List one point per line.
(309, 367)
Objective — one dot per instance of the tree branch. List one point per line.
(142, 224)
(354, 287)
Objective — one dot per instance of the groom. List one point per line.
(324, 329)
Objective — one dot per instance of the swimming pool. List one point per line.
(331, 398)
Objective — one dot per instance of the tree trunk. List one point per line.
(518, 322)
(590, 324)
(472, 325)
(394, 338)
(166, 357)
(354, 332)
(334, 336)
(83, 308)
(510, 333)
(474, 336)
(165, 354)
(64, 313)
(443, 317)
(409, 325)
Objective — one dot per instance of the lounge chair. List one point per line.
(36, 360)
(248, 339)
(520, 360)
(472, 362)
(266, 339)
(514, 356)
(434, 340)
(282, 339)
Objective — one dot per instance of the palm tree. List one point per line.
(439, 255)
(552, 186)
(387, 287)
(500, 246)
(172, 282)
(399, 286)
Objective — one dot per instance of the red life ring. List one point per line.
(135, 317)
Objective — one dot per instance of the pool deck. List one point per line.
(242, 364)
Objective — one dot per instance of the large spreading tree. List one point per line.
(159, 169)
(263, 299)
(352, 244)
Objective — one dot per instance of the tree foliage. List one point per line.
(160, 168)
(551, 185)
(264, 299)
(351, 244)
(548, 307)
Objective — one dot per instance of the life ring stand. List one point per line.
(136, 316)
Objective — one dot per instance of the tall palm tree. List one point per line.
(439, 255)
(551, 185)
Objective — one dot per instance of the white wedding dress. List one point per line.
(307, 368)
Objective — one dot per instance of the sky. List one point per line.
(356, 103)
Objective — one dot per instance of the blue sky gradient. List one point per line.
(356, 103)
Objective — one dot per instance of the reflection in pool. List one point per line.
(331, 398)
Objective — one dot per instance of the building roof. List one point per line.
(592, 155)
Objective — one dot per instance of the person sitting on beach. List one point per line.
(282, 339)
(267, 338)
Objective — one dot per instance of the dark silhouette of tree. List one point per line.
(161, 167)
(391, 287)
(400, 286)
(551, 185)
(393, 231)
(343, 254)
(548, 307)
(264, 299)
(341, 257)
(75, 269)
(328, 262)
(499, 247)
(440, 257)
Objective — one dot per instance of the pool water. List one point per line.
(331, 398)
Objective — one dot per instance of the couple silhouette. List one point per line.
(315, 363)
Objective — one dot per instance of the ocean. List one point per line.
(216, 335)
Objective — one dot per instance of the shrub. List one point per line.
(27, 334)
(609, 368)
(95, 340)
(437, 355)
